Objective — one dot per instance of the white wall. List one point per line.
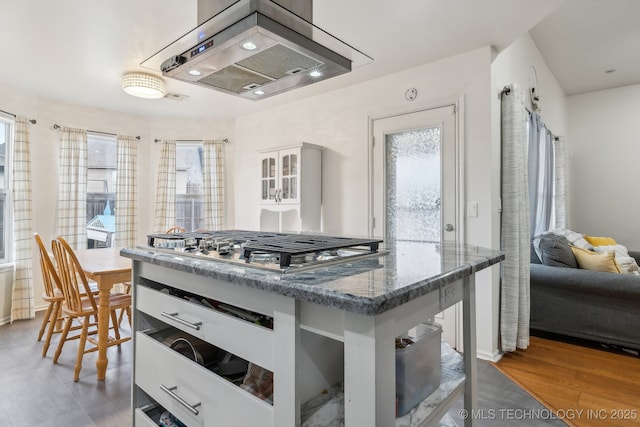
(512, 66)
(605, 164)
(44, 159)
(339, 121)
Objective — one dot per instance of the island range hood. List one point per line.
(255, 49)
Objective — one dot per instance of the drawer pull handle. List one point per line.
(170, 392)
(174, 316)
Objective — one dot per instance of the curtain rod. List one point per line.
(226, 140)
(555, 138)
(57, 126)
(33, 121)
(506, 90)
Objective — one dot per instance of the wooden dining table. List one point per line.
(106, 267)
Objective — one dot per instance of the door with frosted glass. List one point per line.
(415, 176)
(415, 183)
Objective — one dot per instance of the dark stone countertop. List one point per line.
(370, 286)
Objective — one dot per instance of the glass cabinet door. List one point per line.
(268, 178)
(289, 175)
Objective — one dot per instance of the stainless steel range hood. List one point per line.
(255, 49)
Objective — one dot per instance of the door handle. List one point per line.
(448, 227)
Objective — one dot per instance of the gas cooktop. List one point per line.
(272, 251)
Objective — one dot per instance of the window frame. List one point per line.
(97, 137)
(196, 200)
(7, 214)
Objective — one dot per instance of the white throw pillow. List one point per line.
(627, 264)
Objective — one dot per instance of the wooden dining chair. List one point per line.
(83, 309)
(51, 322)
(175, 229)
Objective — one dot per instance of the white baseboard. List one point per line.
(6, 320)
(491, 357)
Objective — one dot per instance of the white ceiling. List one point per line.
(582, 39)
(76, 50)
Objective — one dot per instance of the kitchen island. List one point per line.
(356, 309)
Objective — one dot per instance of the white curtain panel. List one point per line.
(560, 183)
(213, 177)
(166, 188)
(541, 175)
(515, 231)
(72, 190)
(126, 190)
(22, 300)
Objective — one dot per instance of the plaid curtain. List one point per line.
(72, 191)
(126, 190)
(515, 227)
(166, 188)
(213, 177)
(22, 301)
(560, 183)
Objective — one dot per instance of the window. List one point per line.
(189, 187)
(6, 132)
(101, 190)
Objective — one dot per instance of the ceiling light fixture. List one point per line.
(143, 85)
(195, 72)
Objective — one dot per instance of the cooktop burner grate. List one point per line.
(282, 245)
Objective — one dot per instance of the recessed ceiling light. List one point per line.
(249, 45)
(315, 73)
(258, 92)
(194, 72)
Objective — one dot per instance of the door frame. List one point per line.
(458, 104)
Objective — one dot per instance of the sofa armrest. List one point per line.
(620, 286)
(636, 255)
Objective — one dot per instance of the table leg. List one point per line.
(369, 372)
(469, 347)
(103, 329)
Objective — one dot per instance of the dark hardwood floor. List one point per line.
(34, 392)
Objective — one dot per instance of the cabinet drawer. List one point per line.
(142, 420)
(192, 393)
(152, 416)
(246, 340)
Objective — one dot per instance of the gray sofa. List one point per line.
(593, 305)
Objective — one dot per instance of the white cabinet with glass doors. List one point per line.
(290, 188)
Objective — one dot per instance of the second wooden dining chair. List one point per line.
(175, 229)
(52, 295)
(52, 321)
(83, 309)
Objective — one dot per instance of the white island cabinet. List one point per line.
(291, 188)
(332, 334)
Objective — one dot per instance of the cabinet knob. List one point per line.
(448, 227)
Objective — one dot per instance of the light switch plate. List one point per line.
(472, 209)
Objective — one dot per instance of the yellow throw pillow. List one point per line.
(603, 261)
(600, 241)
